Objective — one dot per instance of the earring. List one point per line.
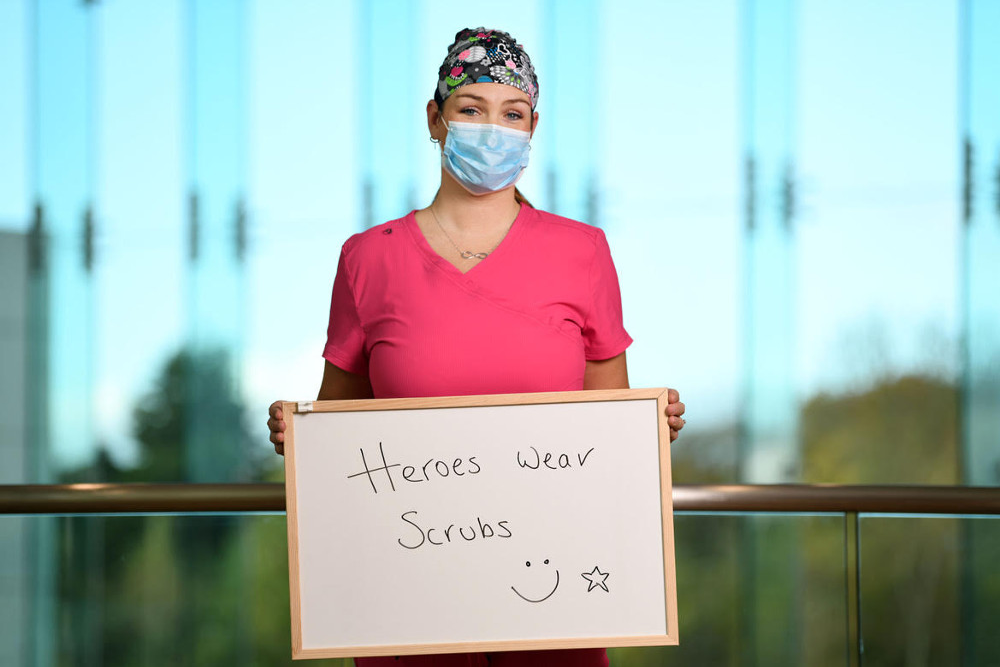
(435, 141)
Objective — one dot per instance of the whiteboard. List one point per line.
(480, 523)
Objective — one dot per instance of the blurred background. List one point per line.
(802, 198)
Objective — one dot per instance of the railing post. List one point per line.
(852, 585)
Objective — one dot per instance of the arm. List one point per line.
(606, 373)
(613, 374)
(337, 385)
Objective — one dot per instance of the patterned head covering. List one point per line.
(479, 55)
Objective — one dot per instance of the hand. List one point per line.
(276, 423)
(674, 411)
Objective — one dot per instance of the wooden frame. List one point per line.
(293, 411)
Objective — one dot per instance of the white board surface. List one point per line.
(434, 527)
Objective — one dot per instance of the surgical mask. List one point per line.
(483, 157)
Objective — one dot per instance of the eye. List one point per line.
(469, 111)
(514, 116)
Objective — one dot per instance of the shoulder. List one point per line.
(377, 239)
(374, 236)
(557, 229)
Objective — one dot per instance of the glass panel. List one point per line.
(16, 592)
(13, 357)
(255, 125)
(15, 220)
(769, 447)
(14, 116)
(303, 190)
(139, 270)
(877, 237)
(64, 161)
(755, 590)
(213, 590)
(145, 590)
(573, 102)
(981, 242)
(930, 590)
(215, 159)
(668, 184)
(389, 142)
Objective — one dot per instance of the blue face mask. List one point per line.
(485, 158)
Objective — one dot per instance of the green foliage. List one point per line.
(902, 431)
(192, 425)
(705, 457)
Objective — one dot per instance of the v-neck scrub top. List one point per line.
(524, 319)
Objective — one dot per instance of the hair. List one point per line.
(518, 196)
(521, 199)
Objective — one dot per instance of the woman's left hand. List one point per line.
(675, 411)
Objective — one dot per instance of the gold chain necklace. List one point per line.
(468, 254)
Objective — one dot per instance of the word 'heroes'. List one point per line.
(432, 469)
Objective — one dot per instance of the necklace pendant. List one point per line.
(466, 254)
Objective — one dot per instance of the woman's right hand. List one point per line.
(276, 423)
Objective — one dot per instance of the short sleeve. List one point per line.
(604, 334)
(345, 337)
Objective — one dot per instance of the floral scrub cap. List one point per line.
(486, 56)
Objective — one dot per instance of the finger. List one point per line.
(673, 435)
(279, 449)
(673, 396)
(675, 423)
(277, 437)
(675, 409)
(276, 425)
(275, 411)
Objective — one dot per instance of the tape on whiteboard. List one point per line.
(304, 406)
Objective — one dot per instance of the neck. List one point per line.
(468, 212)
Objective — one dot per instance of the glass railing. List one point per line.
(96, 574)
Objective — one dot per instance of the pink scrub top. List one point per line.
(525, 319)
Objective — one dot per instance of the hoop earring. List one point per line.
(435, 141)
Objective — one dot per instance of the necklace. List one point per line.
(468, 254)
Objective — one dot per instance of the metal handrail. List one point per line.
(269, 497)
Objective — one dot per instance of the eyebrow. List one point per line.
(483, 99)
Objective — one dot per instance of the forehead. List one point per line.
(493, 93)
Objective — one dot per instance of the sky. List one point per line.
(656, 115)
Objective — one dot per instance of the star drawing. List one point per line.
(596, 579)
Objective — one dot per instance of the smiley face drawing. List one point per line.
(548, 595)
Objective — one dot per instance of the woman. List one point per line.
(478, 293)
